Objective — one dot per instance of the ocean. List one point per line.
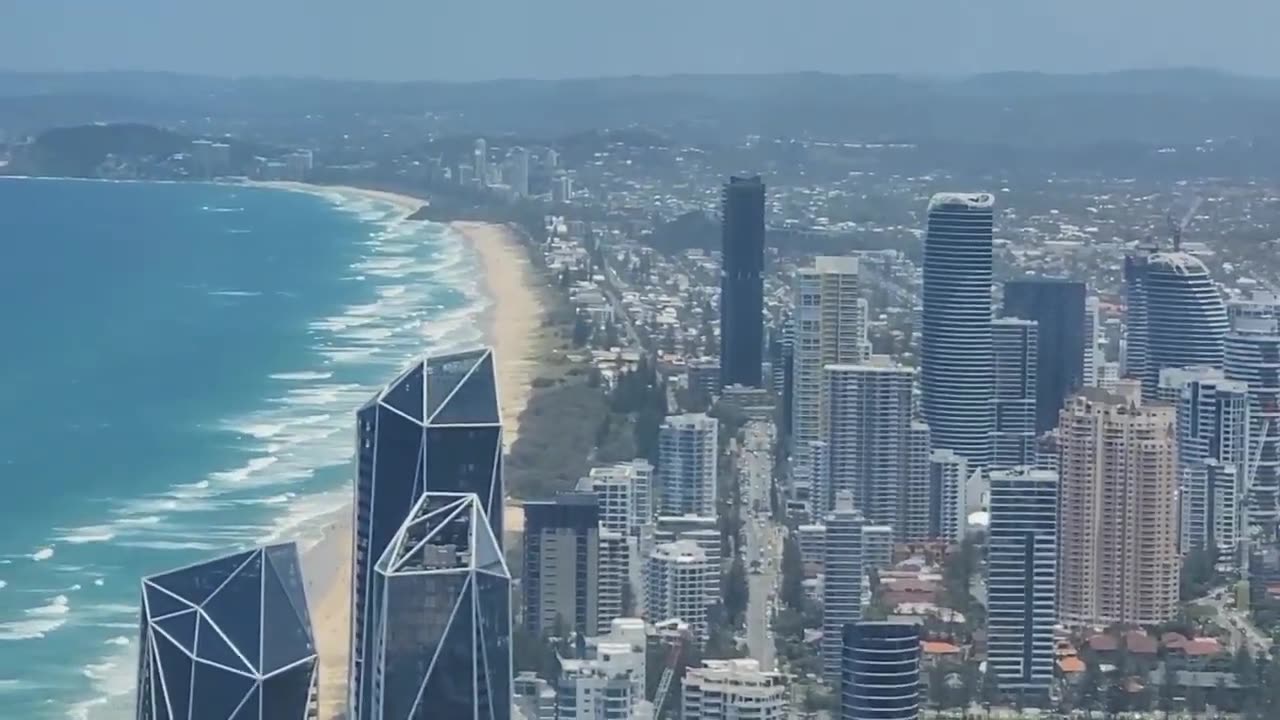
(179, 371)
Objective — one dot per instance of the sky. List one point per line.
(462, 40)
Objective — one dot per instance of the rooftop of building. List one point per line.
(971, 201)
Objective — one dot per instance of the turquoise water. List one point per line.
(178, 376)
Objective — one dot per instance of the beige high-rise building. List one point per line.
(1119, 541)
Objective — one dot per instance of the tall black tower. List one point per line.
(1057, 306)
(742, 282)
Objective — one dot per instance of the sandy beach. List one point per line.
(513, 319)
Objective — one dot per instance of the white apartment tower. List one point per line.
(1022, 562)
(830, 326)
(875, 451)
(948, 504)
(1253, 357)
(687, 453)
(733, 690)
(842, 581)
(681, 584)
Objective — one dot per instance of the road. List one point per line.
(1235, 621)
(761, 539)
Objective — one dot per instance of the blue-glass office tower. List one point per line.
(742, 282)
(1174, 317)
(227, 639)
(1022, 583)
(880, 672)
(1057, 307)
(436, 428)
(440, 604)
(955, 326)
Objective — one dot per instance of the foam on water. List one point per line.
(422, 293)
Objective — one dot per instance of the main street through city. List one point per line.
(762, 540)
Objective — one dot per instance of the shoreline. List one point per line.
(512, 321)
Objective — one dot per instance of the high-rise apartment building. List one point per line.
(1022, 575)
(948, 513)
(624, 492)
(877, 548)
(1119, 560)
(687, 453)
(228, 637)
(1014, 358)
(733, 690)
(1213, 456)
(614, 572)
(955, 342)
(436, 428)
(682, 583)
(742, 282)
(1174, 317)
(440, 603)
(880, 671)
(1253, 357)
(518, 171)
(875, 451)
(830, 327)
(562, 563)
(1062, 339)
(1093, 354)
(842, 581)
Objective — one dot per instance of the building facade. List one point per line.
(1213, 457)
(880, 671)
(742, 282)
(1014, 358)
(1118, 529)
(1175, 316)
(687, 455)
(1253, 357)
(436, 428)
(441, 607)
(1022, 575)
(562, 564)
(948, 504)
(842, 581)
(682, 583)
(874, 449)
(1063, 338)
(829, 327)
(955, 325)
(733, 690)
(228, 638)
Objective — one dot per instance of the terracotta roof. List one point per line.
(1071, 664)
(1202, 646)
(930, 647)
(1173, 640)
(1140, 643)
(1104, 643)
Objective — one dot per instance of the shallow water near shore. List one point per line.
(179, 376)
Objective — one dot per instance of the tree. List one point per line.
(792, 574)
(736, 592)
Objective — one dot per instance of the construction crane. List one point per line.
(1176, 228)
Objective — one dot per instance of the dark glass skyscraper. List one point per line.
(436, 428)
(1057, 306)
(955, 342)
(227, 639)
(440, 604)
(742, 282)
(880, 672)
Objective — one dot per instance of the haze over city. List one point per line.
(461, 41)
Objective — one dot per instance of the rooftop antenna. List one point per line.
(1176, 228)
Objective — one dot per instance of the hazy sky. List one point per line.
(482, 39)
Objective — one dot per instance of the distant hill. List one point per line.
(1011, 109)
(81, 150)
